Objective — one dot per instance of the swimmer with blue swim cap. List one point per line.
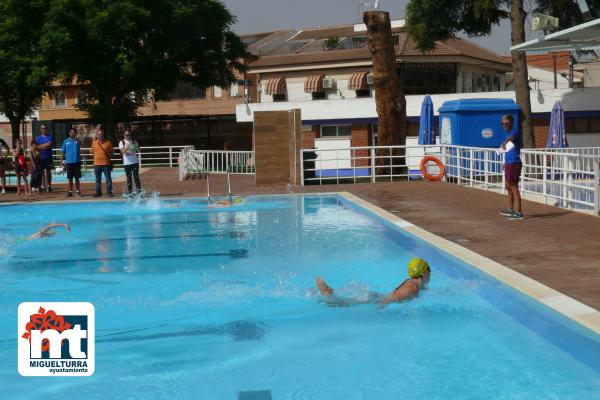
(419, 274)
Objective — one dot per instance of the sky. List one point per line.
(266, 15)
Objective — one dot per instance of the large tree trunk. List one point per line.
(389, 93)
(109, 119)
(522, 94)
(15, 125)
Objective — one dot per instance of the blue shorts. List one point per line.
(46, 163)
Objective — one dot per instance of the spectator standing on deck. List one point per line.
(512, 169)
(71, 161)
(36, 171)
(102, 150)
(20, 166)
(45, 143)
(4, 150)
(129, 148)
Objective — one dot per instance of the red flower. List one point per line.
(42, 321)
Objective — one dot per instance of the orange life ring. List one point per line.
(426, 174)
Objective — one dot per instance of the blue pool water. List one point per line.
(199, 303)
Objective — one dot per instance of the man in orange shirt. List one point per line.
(102, 150)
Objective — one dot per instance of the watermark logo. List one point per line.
(56, 339)
(487, 133)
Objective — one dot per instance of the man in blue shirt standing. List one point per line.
(45, 143)
(71, 160)
(512, 169)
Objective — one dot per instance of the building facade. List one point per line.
(328, 70)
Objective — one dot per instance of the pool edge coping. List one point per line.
(573, 309)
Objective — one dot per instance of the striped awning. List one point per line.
(314, 84)
(358, 81)
(275, 86)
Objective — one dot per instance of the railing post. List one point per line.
(597, 187)
(391, 165)
(471, 168)
(565, 191)
(485, 168)
(545, 178)
(301, 167)
(445, 161)
(373, 164)
(171, 156)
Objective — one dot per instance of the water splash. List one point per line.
(154, 202)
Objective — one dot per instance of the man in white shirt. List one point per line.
(129, 148)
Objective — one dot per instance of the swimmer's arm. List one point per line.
(402, 293)
(48, 227)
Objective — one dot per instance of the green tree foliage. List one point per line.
(431, 20)
(332, 42)
(24, 70)
(127, 51)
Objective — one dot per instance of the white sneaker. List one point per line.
(3, 191)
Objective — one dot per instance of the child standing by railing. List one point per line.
(20, 167)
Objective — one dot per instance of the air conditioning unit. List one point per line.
(544, 23)
(328, 83)
(370, 79)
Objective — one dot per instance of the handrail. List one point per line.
(155, 156)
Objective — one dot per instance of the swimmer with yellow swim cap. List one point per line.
(418, 272)
(238, 201)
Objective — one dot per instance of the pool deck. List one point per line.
(556, 247)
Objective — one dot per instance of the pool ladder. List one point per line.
(228, 187)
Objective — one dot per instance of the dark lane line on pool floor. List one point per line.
(232, 235)
(238, 253)
(239, 331)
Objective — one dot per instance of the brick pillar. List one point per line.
(541, 129)
(360, 138)
(308, 138)
(277, 141)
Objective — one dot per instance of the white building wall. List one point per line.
(295, 89)
(347, 109)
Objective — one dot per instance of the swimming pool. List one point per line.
(219, 304)
(87, 175)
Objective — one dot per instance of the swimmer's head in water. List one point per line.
(239, 200)
(416, 267)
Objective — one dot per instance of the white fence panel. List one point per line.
(567, 178)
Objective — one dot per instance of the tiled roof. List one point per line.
(329, 31)
(324, 33)
(255, 40)
(312, 58)
(406, 48)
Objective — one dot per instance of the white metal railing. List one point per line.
(363, 164)
(567, 178)
(215, 162)
(148, 156)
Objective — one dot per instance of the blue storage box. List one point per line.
(474, 123)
